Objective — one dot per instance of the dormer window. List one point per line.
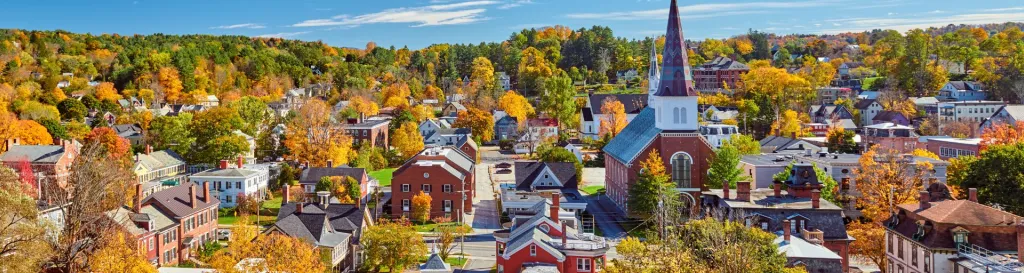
(960, 235)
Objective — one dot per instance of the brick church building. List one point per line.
(668, 125)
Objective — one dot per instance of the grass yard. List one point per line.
(430, 226)
(593, 189)
(384, 176)
(263, 219)
(273, 204)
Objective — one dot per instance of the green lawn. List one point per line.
(430, 226)
(273, 204)
(867, 82)
(593, 189)
(384, 176)
(453, 260)
(263, 219)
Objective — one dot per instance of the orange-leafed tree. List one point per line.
(266, 253)
(170, 84)
(362, 105)
(33, 133)
(614, 119)
(421, 112)
(114, 146)
(421, 207)
(1002, 134)
(959, 129)
(312, 138)
(106, 91)
(396, 95)
(516, 106)
(480, 122)
(118, 255)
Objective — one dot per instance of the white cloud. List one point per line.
(1003, 9)
(282, 34)
(246, 25)
(701, 10)
(515, 3)
(904, 24)
(433, 15)
(936, 11)
(892, 13)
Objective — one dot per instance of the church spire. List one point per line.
(653, 73)
(676, 80)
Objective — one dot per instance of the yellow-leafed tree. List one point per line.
(407, 139)
(421, 207)
(106, 91)
(516, 106)
(117, 256)
(614, 119)
(170, 83)
(313, 139)
(363, 106)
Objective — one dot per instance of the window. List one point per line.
(913, 255)
(405, 187)
(681, 163)
(927, 262)
(426, 188)
(426, 175)
(544, 228)
(227, 199)
(890, 243)
(583, 264)
(238, 185)
(899, 249)
(228, 185)
(533, 250)
(150, 244)
(446, 188)
(405, 204)
(447, 205)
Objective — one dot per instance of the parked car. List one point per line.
(223, 234)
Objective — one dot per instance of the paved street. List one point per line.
(485, 219)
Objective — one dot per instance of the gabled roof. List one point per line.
(312, 175)
(343, 218)
(888, 116)
(632, 140)
(723, 63)
(312, 225)
(159, 159)
(1014, 110)
(632, 103)
(435, 264)
(963, 212)
(863, 104)
(34, 153)
(778, 143)
(229, 172)
(965, 86)
(527, 172)
(177, 202)
(127, 130)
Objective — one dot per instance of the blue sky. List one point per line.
(418, 23)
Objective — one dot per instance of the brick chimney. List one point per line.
(972, 195)
(241, 161)
(777, 186)
(192, 195)
(792, 135)
(815, 199)
(565, 235)
(555, 202)
(785, 230)
(206, 191)
(286, 192)
(138, 199)
(298, 207)
(149, 149)
(743, 191)
(725, 190)
(923, 197)
(1020, 241)
(330, 163)
(223, 164)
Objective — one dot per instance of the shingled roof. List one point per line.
(177, 202)
(312, 175)
(633, 103)
(344, 218)
(527, 172)
(634, 138)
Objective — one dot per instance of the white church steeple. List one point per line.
(675, 101)
(653, 73)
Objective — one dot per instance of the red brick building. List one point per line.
(547, 239)
(445, 173)
(799, 207)
(191, 213)
(897, 137)
(49, 163)
(941, 234)
(369, 131)
(948, 148)
(711, 75)
(668, 125)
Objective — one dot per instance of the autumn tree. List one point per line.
(1002, 133)
(818, 74)
(421, 112)
(996, 175)
(21, 230)
(266, 252)
(312, 138)
(363, 106)
(651, 185)
(781, 89)
(407, 139)
(32, 133)
(421, 207)
(392, 244)
(216, 135)
(112, 145)
(516, 106)
(959, 129)
(170, 85)
(480, 122)
(533, 69)
(790, 124)
(253, 112)
(396, 95)
(119, 255)
(106, 91)
(447, 231)
(745, 144)
(839, 140)
(614, 119)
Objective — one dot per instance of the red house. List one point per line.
(711, 75)
(191, 219)
(445, 173)
(547, 239)
(49, 163)
(668, 125)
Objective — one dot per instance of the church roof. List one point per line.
(676, 79)
(632, 140)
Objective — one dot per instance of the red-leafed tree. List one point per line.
(27, 177)
(115, 147)
(1002, 134)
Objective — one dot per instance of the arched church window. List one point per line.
(681, 163)
(682, 115)
(675, 115)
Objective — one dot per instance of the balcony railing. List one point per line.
(994, 262)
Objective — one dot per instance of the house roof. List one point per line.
(458, 106)
(176, 200)
(1014, 110)
(827, 217)
(863, 104)
(435, 264)
(312, 225)
(799, 248)
(888, 116)
(588, 115)
(127, 130)
(778, 143)
(962, 212)
(966, 85)
(369, 124)
(159, 159)
(845, 123)
(723, 63)
(343, 218)
(450, 159)
(989, 228)
(312, 175)
(632, 103)
(229, 172)
(34, 153)
(527, 172)
(632, 140)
